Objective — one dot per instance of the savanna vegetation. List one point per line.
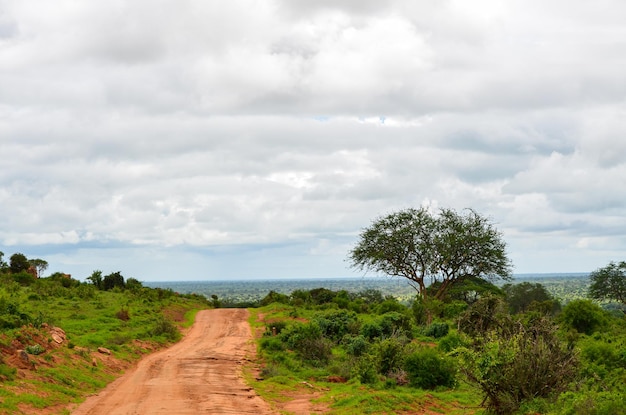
(470, 340)
(62, 339)
(464, 345)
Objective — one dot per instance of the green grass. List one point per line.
(284, 375)
(91, 319)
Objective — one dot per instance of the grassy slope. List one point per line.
(128, 324)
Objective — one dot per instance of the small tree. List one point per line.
(113, 280)
(19, 263)
(425, 249)
(609, 283)
(527, 296)
(96, 279)
(3, 265)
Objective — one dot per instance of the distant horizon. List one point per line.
(260, 279)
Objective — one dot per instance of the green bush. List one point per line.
(364, 370)
(437, 330)
(394, 323)
(428, 369)
(272, 344)
(35, 349)
(450, 342)
(372, 330)
(592, 403)
(308, 342)
(583, 315)
(166, 328)
(336, 324)
(389, 354)
(518, 365)
(356, 346)
(274, 327)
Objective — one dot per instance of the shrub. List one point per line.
(395, 323)
(390, 354)
(450, 342)
(336, 324)
(437, 330)
(487, 314)
(272, 344)
(518, 365)
(274, 327)
(356, 346)
(390, 305)
(364, 370)
(166, 328)
(35, 349)
(307, 340)
(583, 315)
(428, 369)
(371, 330)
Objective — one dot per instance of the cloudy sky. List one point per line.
(205, 139)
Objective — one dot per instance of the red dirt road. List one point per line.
(199, 375)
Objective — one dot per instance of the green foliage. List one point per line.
(387, 325)
(487, 314)
(420, 313)
(437, 330)
(274, 297)
(11, 316)
(516, 364)
(338, 323)
(592, 403)
(364, 370)
(18, 263)
(528, 296)
(23, 278)
(164, 327)
(609, 283)
(96, 279)
(356, 346)
(35, 349)
(274, 327)
(307, 340)
(389, 354)
(583, 316)
(7, 373)
(446, 248)
(113, 280)
(452, 341)
(390, 305)
(428, 369)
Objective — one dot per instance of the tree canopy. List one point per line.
(527, 296)
(425, 248)
(19, 263)
(609, 283)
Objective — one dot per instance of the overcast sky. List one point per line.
(195, 139)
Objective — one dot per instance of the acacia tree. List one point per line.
(609, 283)
(446, 249)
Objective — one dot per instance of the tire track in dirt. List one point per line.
(199, 375)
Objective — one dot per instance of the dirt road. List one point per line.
(199, 375)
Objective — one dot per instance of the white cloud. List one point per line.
(281, 128)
